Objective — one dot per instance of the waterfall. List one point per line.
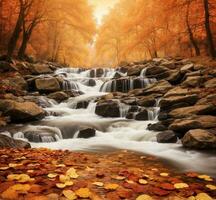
(68, 85)
(123, 109)
(19, 135)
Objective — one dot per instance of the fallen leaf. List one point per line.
(9, 194)
(60, 185)
(63, 178)
(52, 175)
(69, 194)
(203, 196)
(211, 187)
(72, 173)
(83, 193)
(164, 174)
(119, 178)
(4, 168)
(111, 186)
(21, 188)
(181, 185)
(143, 181)
(167, 186)
(99, 184)
(144, 197)
(205, 177)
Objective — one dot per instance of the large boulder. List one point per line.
(58, 96)
(8, 142)
(184, 125)
(179, 91)
(38, 69)
(158, 88)
(135, 70)
(167, 137)
(169, 102)
(211, 83)
(109, 108)
(157, 127)
(193, 110)
(147, 101)
(47, 85)
(199, 139)
(87, 133)
(21, 112)
(142, 116)
(158, 72)
(193, 81)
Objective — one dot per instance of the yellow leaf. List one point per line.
(89, 169)
(60, 185)
(205, 177)
(191, 198)
(83, 193)
(130, 182)
(69, 194)
(144, 197)
(4, 168)
(72, 173)
(14, 165)
(203, 196)
(143, 181)
(164, 174)
(61, 165)
(21, 178)
(181, 185)
(9, 194)
(52, 175)
(99, 184)
(111, 186)
(21, 188)
(63, 178)
(120, 178)
(211, 187)
(69, 183)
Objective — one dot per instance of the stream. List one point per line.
(112, 133)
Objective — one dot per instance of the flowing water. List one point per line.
(60, 129)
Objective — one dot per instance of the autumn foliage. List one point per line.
(136, 30)
(43, 174)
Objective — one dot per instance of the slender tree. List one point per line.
(209, 35)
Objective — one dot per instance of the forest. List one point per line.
(107, 99)
(133, 30)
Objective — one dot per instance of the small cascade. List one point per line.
(126, 84)
(19, 135)
(123, 108)
(143, 72)
(6, 133)
(68, 85)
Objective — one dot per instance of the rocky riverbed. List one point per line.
(155, 107)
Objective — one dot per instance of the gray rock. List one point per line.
(167, 137)
(7, 142)
(87, 133)
(58, 96)
(47, 85)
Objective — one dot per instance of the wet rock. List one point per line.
(148, 101)
(193, 81)
(167, 137)
(89, 82)
(7, 67)
(96, 73)
(87, 133)
(82, 104)
(47, 85)
(38, 69)
(133, 109)
(196, 122)
(157, 88)
(58, 96)
(118, 75)
(130, 115)
(135, 70)
(21, 112)
(74, 93)
(41, 101)
(8, 142)
(193, 110)
(157, 127)
(108, 108)
(187, 68)
(169, 102)
(169, 64)
(208, 99)
(179, 91)
(175, 77)
(210, 83)
(199, 139)
(130, 101)
(142, 116)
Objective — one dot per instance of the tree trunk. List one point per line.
(15, 35)
(209, 36)
(190, 32)
(22, 49)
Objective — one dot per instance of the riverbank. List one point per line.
(162, 107)
(47, 175)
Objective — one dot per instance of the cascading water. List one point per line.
(59, 130)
